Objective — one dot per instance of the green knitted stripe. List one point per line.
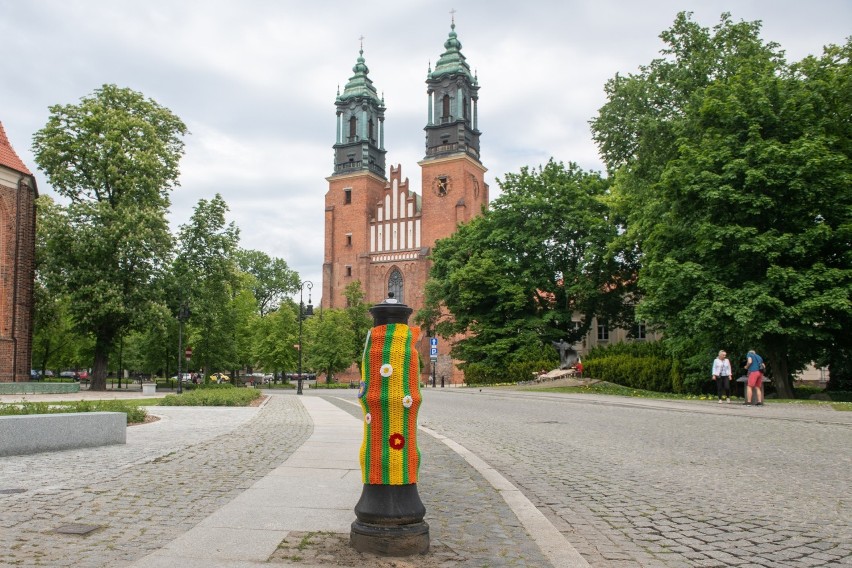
(366, 376)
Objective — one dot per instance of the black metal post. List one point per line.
(302, 315)
(183, 315)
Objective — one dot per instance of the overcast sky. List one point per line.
(255, 82)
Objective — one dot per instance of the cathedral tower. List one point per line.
(355, 186)
(454, 189)
(377, 230)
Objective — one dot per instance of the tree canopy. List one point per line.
(115, 157)
(732, 169)
(536, 267)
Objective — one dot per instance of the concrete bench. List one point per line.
(35, 433)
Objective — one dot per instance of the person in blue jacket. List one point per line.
(754, 365)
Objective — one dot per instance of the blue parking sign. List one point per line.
(433, 352)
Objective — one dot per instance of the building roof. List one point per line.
(360, 85)
(8, 157)
(452, 61)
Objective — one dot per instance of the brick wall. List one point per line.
(17, 255)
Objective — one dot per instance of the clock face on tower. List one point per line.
(441, 186)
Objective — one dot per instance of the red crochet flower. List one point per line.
(397, 441)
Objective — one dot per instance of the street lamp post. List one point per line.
(303, 313)
(183, 315)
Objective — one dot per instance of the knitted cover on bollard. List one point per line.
(390, 397)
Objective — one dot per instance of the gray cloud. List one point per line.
(255, 81)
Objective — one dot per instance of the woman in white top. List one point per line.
(722, 376)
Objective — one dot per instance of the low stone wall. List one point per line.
(35, 433)
(33, 387)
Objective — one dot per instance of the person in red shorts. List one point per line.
(754, 366)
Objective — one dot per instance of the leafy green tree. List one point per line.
(359, 314)
(329, 342)
(115, 157)
(535, 268)
(275, 336)
(207, 277)
(272, 278)
(733, 171)
(244, 318)
(153, 348)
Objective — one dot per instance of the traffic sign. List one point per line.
(433, 352)
(433, 341)
(188, 353)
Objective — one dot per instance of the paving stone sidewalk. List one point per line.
(175, 473)
(170, 476)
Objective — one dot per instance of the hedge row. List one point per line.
(483, 374)
(647, 373)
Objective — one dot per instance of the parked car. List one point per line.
(35, 375)
(219, 378)
(68, 374)
(184, 377)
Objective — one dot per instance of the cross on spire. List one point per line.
(453, 16)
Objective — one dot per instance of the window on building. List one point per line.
(446, 107)
(465, 109)
(349, 239)
(347, 196)
(370, 129)
(348, 270)
(603, 331)
(395, 284)
(353, 124)
(639, 330)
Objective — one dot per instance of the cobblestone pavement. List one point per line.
(168, 477)
(463, 511)
(668, 483)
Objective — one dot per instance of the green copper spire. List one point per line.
(359, 85)
(452, 60)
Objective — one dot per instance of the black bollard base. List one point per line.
(390, 521)
(384, 540)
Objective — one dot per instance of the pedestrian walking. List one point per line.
(722, 376)
(754, 365)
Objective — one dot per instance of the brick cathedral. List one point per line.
(18, 193)
(377, 230)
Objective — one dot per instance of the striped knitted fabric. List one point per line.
(390, 398)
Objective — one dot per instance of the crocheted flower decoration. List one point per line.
(386, 370)
(407, 401)
(396, 441)
(362, 390)
(368, 418)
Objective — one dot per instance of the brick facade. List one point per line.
(18, 193)
(377, 230)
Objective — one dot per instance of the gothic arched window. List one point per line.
(395, 285)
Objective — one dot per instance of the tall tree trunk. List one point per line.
(99, 370)
(777, 362)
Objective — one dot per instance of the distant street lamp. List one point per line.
(183, 315)
(303, 313)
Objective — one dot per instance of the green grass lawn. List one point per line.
(133, 408)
